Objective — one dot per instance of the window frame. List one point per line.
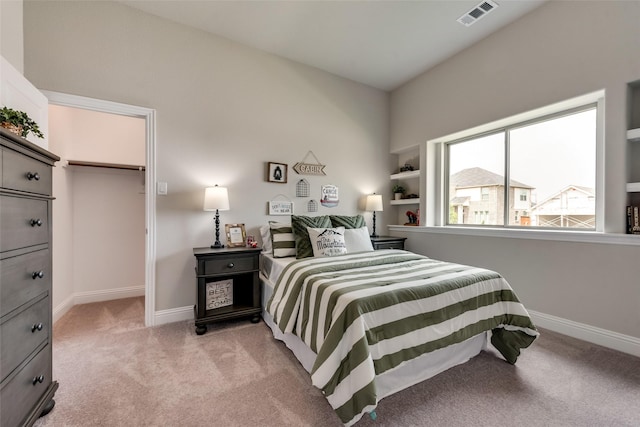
(437, 162)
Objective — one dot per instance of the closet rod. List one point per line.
(105, 165)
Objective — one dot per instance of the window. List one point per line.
(535, 173)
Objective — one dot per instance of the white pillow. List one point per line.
(358, 240)
(327, 241)
(265, 235)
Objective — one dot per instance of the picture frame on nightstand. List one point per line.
(236, 235)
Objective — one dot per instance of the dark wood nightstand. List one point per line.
(388, 242)
(228, 285)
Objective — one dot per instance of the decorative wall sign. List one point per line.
(280, 207)
(302, 188)
(329, 196)
(303, 168)
(219, 294)
(312, 206)
(277, 172)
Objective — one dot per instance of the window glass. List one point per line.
(550, 165)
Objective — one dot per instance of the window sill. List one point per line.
(558, 236)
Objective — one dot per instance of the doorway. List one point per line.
(147, 182)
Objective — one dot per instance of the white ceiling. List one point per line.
(379, 43)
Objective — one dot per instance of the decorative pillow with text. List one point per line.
(327, 241)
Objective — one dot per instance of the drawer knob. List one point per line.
(231, 265)
(36, 327)
(38, 379)
(31, 176)
(37, 274)
(35, 222)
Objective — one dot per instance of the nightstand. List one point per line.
(228, 285)
(388, 242)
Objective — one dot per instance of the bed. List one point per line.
(367, 324)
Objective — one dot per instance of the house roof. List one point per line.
(588, 191)
(478, 177)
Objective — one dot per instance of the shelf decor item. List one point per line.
(19, 123)
(216, 199)
(398, 191)
(373, 204)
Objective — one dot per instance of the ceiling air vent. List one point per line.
(477, 13)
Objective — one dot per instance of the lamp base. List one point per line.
(374, 235)
(217, 245)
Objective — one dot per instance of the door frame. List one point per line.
(149, 115)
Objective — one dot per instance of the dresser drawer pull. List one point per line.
(231, 265)
(37, 274)
(38, 379)
(32, 176)
(36, 327)
(35, 222)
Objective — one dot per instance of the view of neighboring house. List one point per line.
(573, 206)
(476, 196)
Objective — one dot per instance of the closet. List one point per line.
(100, 206)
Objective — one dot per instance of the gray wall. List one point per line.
(223, 110)
(559, 51)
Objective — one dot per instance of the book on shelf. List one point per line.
(633, 219)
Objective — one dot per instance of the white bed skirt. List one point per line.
(394, 380)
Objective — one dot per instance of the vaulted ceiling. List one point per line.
(379, 43)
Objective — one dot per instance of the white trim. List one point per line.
(557, 236)
(107, 294)
(95, 296)
(149, 115)
(620, 342)
(179, 314)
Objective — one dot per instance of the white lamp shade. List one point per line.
(374, 203)
(216, 198)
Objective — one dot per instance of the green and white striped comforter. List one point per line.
(366, 313)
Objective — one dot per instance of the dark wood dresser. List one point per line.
(26, 387)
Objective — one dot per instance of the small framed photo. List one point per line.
(236, 235)
(277, 172)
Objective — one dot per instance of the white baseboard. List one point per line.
(624, 343)
(95, 296)
(171, 315)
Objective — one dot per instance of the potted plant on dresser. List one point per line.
(19, 123)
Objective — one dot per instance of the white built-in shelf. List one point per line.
(415, 201)
(633, 135)
(406, 175)
(633, 187)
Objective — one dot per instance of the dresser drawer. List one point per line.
(23, 333)
(23, 173)
(23, 278)
(23, 222)
(229, 264)
(24, 390)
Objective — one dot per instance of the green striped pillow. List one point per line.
(356, 221)
(282, 240)
(299, 223)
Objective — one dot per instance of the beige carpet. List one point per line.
(115, 372)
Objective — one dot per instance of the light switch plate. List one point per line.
(162, 188)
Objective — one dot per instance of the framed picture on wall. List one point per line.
(277, 172)
(236, 235)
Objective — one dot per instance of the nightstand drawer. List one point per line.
(390, 245)
(388, 242)
(228, 264)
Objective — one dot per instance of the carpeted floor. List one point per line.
(115, 372)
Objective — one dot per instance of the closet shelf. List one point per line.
(105, 165)
(633, 135)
